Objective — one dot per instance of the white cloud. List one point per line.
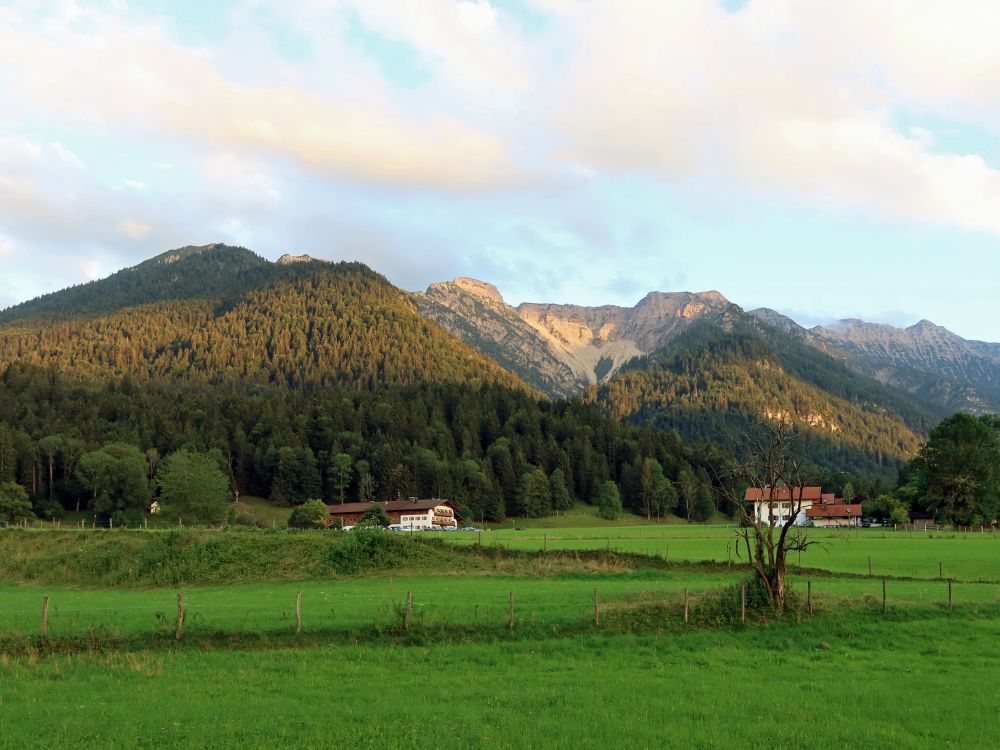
(134, 229)
(66, 156)
(791, 98)
(78, 77)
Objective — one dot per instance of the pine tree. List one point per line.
(561, 499)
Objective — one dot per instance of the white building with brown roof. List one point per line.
(810, 506)
(782, 502)
(411, 515)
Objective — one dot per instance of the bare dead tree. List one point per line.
(771, 469)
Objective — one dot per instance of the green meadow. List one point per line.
(113, 674)
(952, 554)
(827, 683)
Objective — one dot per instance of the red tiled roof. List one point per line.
(761, 495)
(392, 506)
(835, 510)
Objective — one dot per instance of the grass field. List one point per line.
(846, 683)
(967, 556)
(348, 606)
(918, 675)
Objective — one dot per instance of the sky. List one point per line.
(827, 160)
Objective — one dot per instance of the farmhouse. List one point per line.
(780, 502)
(810, 505)
(412, 514)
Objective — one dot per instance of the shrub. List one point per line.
(312, 514)
(373, 549)
(376, 515)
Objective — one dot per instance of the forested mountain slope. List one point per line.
(221, 314)
(715, 382)
(929, 362)
(215, 271)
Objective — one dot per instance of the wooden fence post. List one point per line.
(298, 612)
(545, 542)
(180, 617)
(940, 570)
(949, 595)
(597, 610)
(510, 612)
(668, 553)
(743, 603)
(409, 608)
(609, 542)
(809, 596)
(479, 540)
(45, 619)
(883, 594)
(729, 555)
(685, 605)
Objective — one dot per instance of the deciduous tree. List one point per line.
(14, 503)
(609, 503)
(773, 465)
(193, 487)
(957, 473)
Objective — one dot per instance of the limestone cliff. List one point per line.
(561, 349)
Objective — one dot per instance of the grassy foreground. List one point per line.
(850, 682)
(113, 675)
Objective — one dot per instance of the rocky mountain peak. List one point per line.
(287, 259)
(480, 289)
(776, 319)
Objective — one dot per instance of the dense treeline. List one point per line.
(713, 384)
(956, 474)
(492, 449)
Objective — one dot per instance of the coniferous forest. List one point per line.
(316, 380)
(477, 445)
(306, 381)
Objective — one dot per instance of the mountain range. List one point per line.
(924, 359)
(864, 394)
(560, 349)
